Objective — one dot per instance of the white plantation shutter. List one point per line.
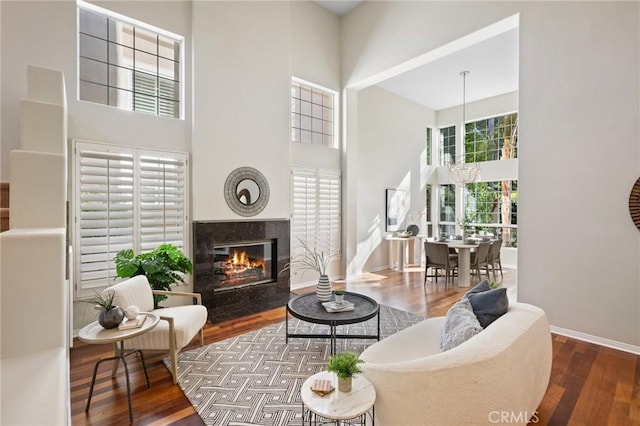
(162, 200)
(104, 213)
(124, 198)
(316, 210)
(329, 210)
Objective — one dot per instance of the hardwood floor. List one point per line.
(590, 384)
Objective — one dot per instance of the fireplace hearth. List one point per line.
(236, 266)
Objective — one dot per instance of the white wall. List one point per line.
(51, 42)
(391, 154)
(241, 102)
(579, 153)
(45, 34)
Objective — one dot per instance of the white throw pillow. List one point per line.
(460, 324)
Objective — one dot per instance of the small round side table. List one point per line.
(95, 334)
(338, 405)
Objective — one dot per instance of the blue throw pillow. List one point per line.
(489, 305)
(478, 288)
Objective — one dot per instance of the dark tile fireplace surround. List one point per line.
(236, 266)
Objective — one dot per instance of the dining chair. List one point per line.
(494, 257)
(480, 258)
(437, 257)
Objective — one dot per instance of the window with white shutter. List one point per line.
(316, 210)
(162, 208)
(124, 198)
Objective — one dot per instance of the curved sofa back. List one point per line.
(502, 371)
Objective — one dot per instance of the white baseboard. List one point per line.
(625, 347)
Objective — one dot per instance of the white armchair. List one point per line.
(178, 324)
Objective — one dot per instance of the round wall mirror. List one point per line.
(246, 191)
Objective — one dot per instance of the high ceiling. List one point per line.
(339, 7)
(493, 66)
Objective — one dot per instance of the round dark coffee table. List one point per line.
(308, 308)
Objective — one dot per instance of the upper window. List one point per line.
(313, 114)
(127, 64)
(494, 138)
(447, 145)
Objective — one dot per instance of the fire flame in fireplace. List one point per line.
(239, 263)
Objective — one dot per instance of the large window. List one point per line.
(124, 198)
(493, 207)
(494, 138)
(447, 145)
(128, 64)
(447, 209)
(313, 114)
(316, 210)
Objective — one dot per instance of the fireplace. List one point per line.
(242, 264)
(237, 265)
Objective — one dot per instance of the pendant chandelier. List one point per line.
(461, 172)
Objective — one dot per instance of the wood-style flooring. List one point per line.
(590, 384)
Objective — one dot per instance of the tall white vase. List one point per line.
(323, 289)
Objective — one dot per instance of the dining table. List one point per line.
(464, 260)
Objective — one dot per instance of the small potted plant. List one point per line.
(345, 365)
(313, 260)
(110, 315)
(339, 296)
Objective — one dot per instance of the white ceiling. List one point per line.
(339, 7)
(493, 67)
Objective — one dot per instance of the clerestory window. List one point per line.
(127, 64)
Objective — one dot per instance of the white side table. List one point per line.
(95, 334)
(338, 405)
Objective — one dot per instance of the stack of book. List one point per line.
(128, 324)
(338, 307)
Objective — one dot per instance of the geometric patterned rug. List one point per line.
(255, 378)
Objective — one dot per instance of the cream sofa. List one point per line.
(500, 373)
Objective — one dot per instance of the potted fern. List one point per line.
(163, 267)
(316, 261)
(345, 365)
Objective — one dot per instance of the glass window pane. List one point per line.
(145, 62)
(316, 125)
(305, 94)
(168, 48)
(120, 77)
(146, 41)
(168, 89)
(93, 24)
(305, 136)
(120, 98)
(121, 55)
(316, 138)
(168, 69)
(120, 32)
(93, 93)
(305, 108)
(305, 122)
(94, 48)
(93, 71)
(327, 113)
